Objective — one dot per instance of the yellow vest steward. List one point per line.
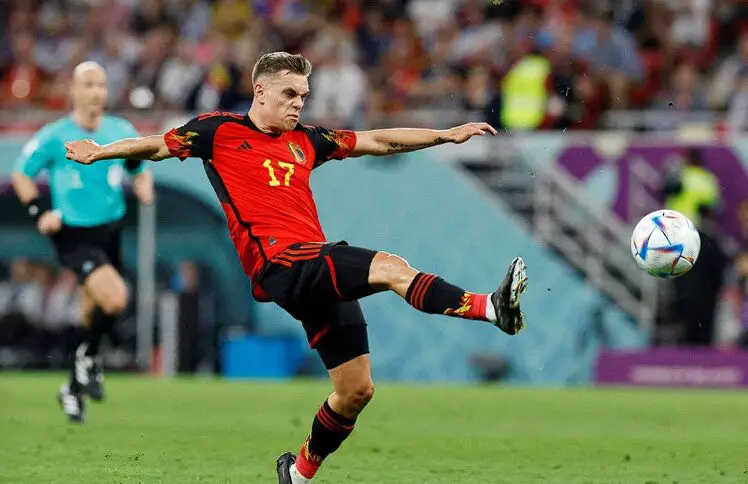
(700, 187)
(524, 93)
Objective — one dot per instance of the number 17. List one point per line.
(274, 182)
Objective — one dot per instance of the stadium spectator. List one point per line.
(697, 293)
(23, 82)
(737, 112)
(180, 76)
(684, 92)
(413, 54)
(727, 79)
(613, 53)
(694, 191)
(338, 73)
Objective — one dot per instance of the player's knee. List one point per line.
(388, 270)
(115, 302)
(359, 396)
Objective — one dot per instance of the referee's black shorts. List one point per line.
(84, 249)
(319, 285)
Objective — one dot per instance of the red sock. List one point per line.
(307, 463)
(472, 306)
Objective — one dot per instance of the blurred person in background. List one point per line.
(727, 79)
(232, 17)
(222, 85)
(180, 76)
(86, 235)
(22, 84)
(194, 315)
(149, 67)
(339, 73)
(614, 56)
(741, 270)
(737, 110)
(691, 188)
(148, 16)
(694, 306)
(20, 303)
(576, 97)
(524, 93)
(694, 191)
(685, 92)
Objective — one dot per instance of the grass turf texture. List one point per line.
(210, 431)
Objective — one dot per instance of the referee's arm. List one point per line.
(25, 187)
(35, 157)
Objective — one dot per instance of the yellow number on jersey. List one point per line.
(274, 182)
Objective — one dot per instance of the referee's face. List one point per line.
(283, 96)
(90, 91)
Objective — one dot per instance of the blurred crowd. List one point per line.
(40, 317)
(386, 56)
(39, 314)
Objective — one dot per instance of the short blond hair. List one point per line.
(274, 62)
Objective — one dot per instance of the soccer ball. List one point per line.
(665, 243)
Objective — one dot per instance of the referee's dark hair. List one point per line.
(274, 62)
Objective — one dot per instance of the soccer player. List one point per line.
(259, 164)
(83, 219)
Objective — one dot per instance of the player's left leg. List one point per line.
(357, 272)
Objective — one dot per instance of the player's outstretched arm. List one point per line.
(401, 140)
(146, 148)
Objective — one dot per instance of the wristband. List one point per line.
(37, 207)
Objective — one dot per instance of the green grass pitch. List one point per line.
(185, 431)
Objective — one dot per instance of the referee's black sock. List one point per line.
(101, 324)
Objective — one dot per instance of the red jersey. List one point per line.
(261, 180)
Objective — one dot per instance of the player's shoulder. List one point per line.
(313, 132)
(220, 116)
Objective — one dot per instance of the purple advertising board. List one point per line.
(673, 368)
(583, 160)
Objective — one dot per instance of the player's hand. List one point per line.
(460, 134)
(83, 151)
(49, 223)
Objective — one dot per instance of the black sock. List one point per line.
(329, 430)
(433, 295)
(101, 324)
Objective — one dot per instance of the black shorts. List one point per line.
(84, 249)
(319, 284)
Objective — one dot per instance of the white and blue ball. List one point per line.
(665, 243)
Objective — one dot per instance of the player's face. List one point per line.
(284, 96)
(90, 90)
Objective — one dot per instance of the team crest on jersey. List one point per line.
(297, 153)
